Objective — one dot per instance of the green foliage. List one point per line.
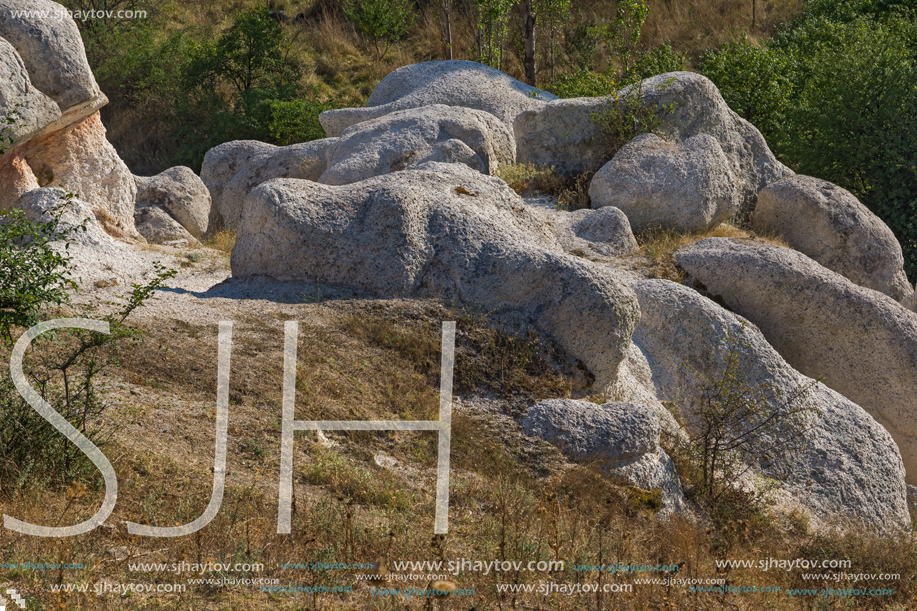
(581, 43)
(622, 34)
(493, 27)
(753, 81)
(739, 423)
(660, 60)
(383, 21)
(582, 84)
(64, 366)
(626, 115)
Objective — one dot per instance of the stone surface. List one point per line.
(857, 341)
(33, 109)
(453, 83)
(179, 192)
(830, 225)
(624, 437)
(850, 467)
(416, 135)
(561, 133)
(605, 231)
(158, 227)
(441, 230)
(80, 158)
(16, 179)
(232, 169)
(51, 49)
(688, 186)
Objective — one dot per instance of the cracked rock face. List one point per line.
(858, 341)
(441, 230)
(850, 467)
(623, 436)
(831, 226)
(453, 83)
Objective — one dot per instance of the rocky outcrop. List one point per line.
(407, 137)
(857, 341)
(232, 169)
(604, 232)
(688, 186)
(849, 467)
(830, 225)
(59, 139)
(453, 83)
(440, 230)
(623, 437)
(181, 194)
(562, 133)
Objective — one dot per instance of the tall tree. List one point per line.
(528, 26)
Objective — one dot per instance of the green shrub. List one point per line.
(582, 84)
(626, 115)
(382, 21)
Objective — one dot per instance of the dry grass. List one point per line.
(222, 240)
(570, 192)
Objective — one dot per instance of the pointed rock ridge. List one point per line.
(688, 186)
(858, 341)
(623, 436)
(450, 82)
(441, 230)
(831, 226)
(403, 138)
(562, 133)
(231, 170)
(850, 468)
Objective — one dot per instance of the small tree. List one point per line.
(551, 16)
(383, 21)
(738, 421)
(492, 28)
(623, 33)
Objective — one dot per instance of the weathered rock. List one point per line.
(850, 467)
(562, 133)
(16, 179)
(416, 135)
(33, 109)
(94, 254)
(857, 341)
(80, 158)
(605, 231)
(232, 169)
(158, 227)
(51, 49)
(623, 436)
(443, 230)
(910, 302)
(453, 83)
(687, 186)
(828, 224)
(179, 192)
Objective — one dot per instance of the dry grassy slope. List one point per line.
(363, 497)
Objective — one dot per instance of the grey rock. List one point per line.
(443, 230)
(858, 341)
(404, 138)
(623, 436)
(561, 133)
(51, 49)
(688, 186)
(850, 467)
(158, 227)
(34, 110)
(232, 169)
(830, 225)
(179, 192)
(605, 231)
(453, 83)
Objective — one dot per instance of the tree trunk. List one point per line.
(528, 24)
(447, 13)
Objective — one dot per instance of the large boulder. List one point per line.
(453, 83)
(33, 109)
(856, 340)
(688, 186)
(828, 224)
(431, 133)
(562, 133)
(604, 232)
(80, 158)
(624, 437)
(180, 193)
(849, 466)
(232, 169)
(442, 230)
(157, 227)
(51, 49)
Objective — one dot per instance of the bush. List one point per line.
(626, 115)
(383, 21)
